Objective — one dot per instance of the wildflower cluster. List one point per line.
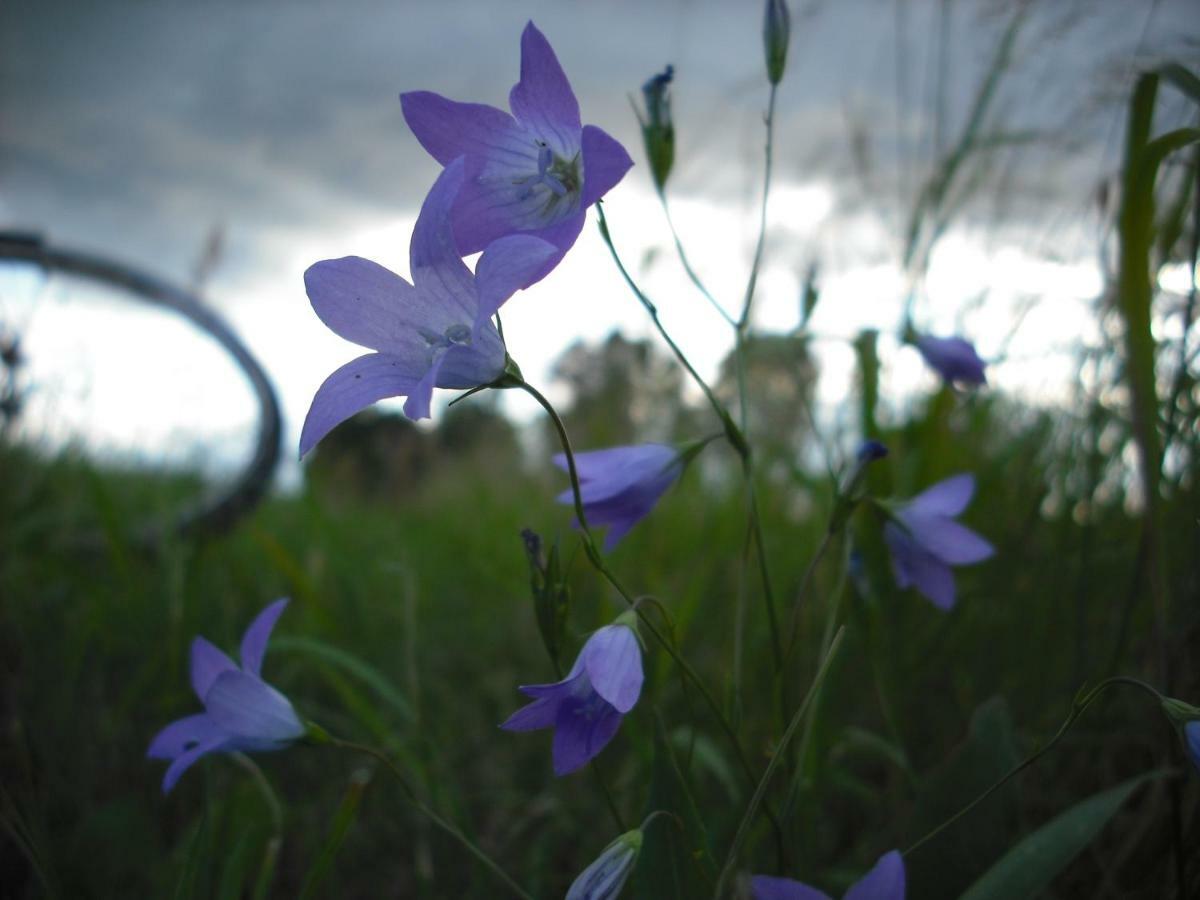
(516, 187)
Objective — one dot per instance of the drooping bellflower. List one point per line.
(435, 332)
(925, 541)
(535, 171)
(885, 881)
(585, 708)
(606, 876)
(619, 486)
(954, 359)
(241, 711)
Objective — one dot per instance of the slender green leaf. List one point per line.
(346, 813)
(1032, 864)
(349, 663)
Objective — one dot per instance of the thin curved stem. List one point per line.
(432, 814)
(778, 756)
(687, 266)
(769, 153)
(597, 561)
(1077, 710)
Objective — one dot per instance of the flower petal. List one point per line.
(543, 98)
(946, 539)
(608, 872)
(582, 729)
(605, 163)
(207, 663)
(768, 887)
(176, 737)
(184, 761)
(506, 266)
(254, 641)
(1191, 731)
(884, 882)
(539, 714)
(419, 398)
(606, 473)
(613, 660)
(448, 129)
(252, 711)
(946, 498)
(914, 566)
(432, 254)
(354, 387)
(953, 358)
(361, 301)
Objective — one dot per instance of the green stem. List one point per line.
(777, 757)
(732, 432)
(433, 816)
(597, 561)
(1077, 710)
(744, 319)
(687, 266)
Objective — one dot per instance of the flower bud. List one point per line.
(658, 131)
(605, 877)
(777, 28)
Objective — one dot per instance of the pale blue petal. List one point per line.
(437, 268)
(946, 539)
(884, 882)
(506, 266)
(613, 660)
(184, 761)
(207, 663)
(252, 711)
(582, 730)
(605, 163)
(254, 641)
(363, 302)
(182, 734)
(606, 876)
(543, 98)
(448, 129)
(946, 498)
(354, 387)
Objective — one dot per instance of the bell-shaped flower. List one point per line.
(435, 332)
(605, 877)
(619, 486)
(884, 882)
(585, 708)
(241, 711)
(535, 171)
(954, 359)
(925, 541)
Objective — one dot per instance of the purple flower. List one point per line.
(953, 358)
(884, 882)
(620, 485)
(535, 171)
(1191, 732)
(241, 711)
(435, 332)
(607, 874)
(925, 541)
(585, 708)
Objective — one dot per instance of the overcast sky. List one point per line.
(134, 129)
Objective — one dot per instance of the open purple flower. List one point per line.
(535, 171)
(241, 711)
(954, 359)
(585, 708)
(620, 485)
(884, 882)
(435, 332)
(925, 541)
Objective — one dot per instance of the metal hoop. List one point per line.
(219, 512)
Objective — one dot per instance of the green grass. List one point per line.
(411, 625)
